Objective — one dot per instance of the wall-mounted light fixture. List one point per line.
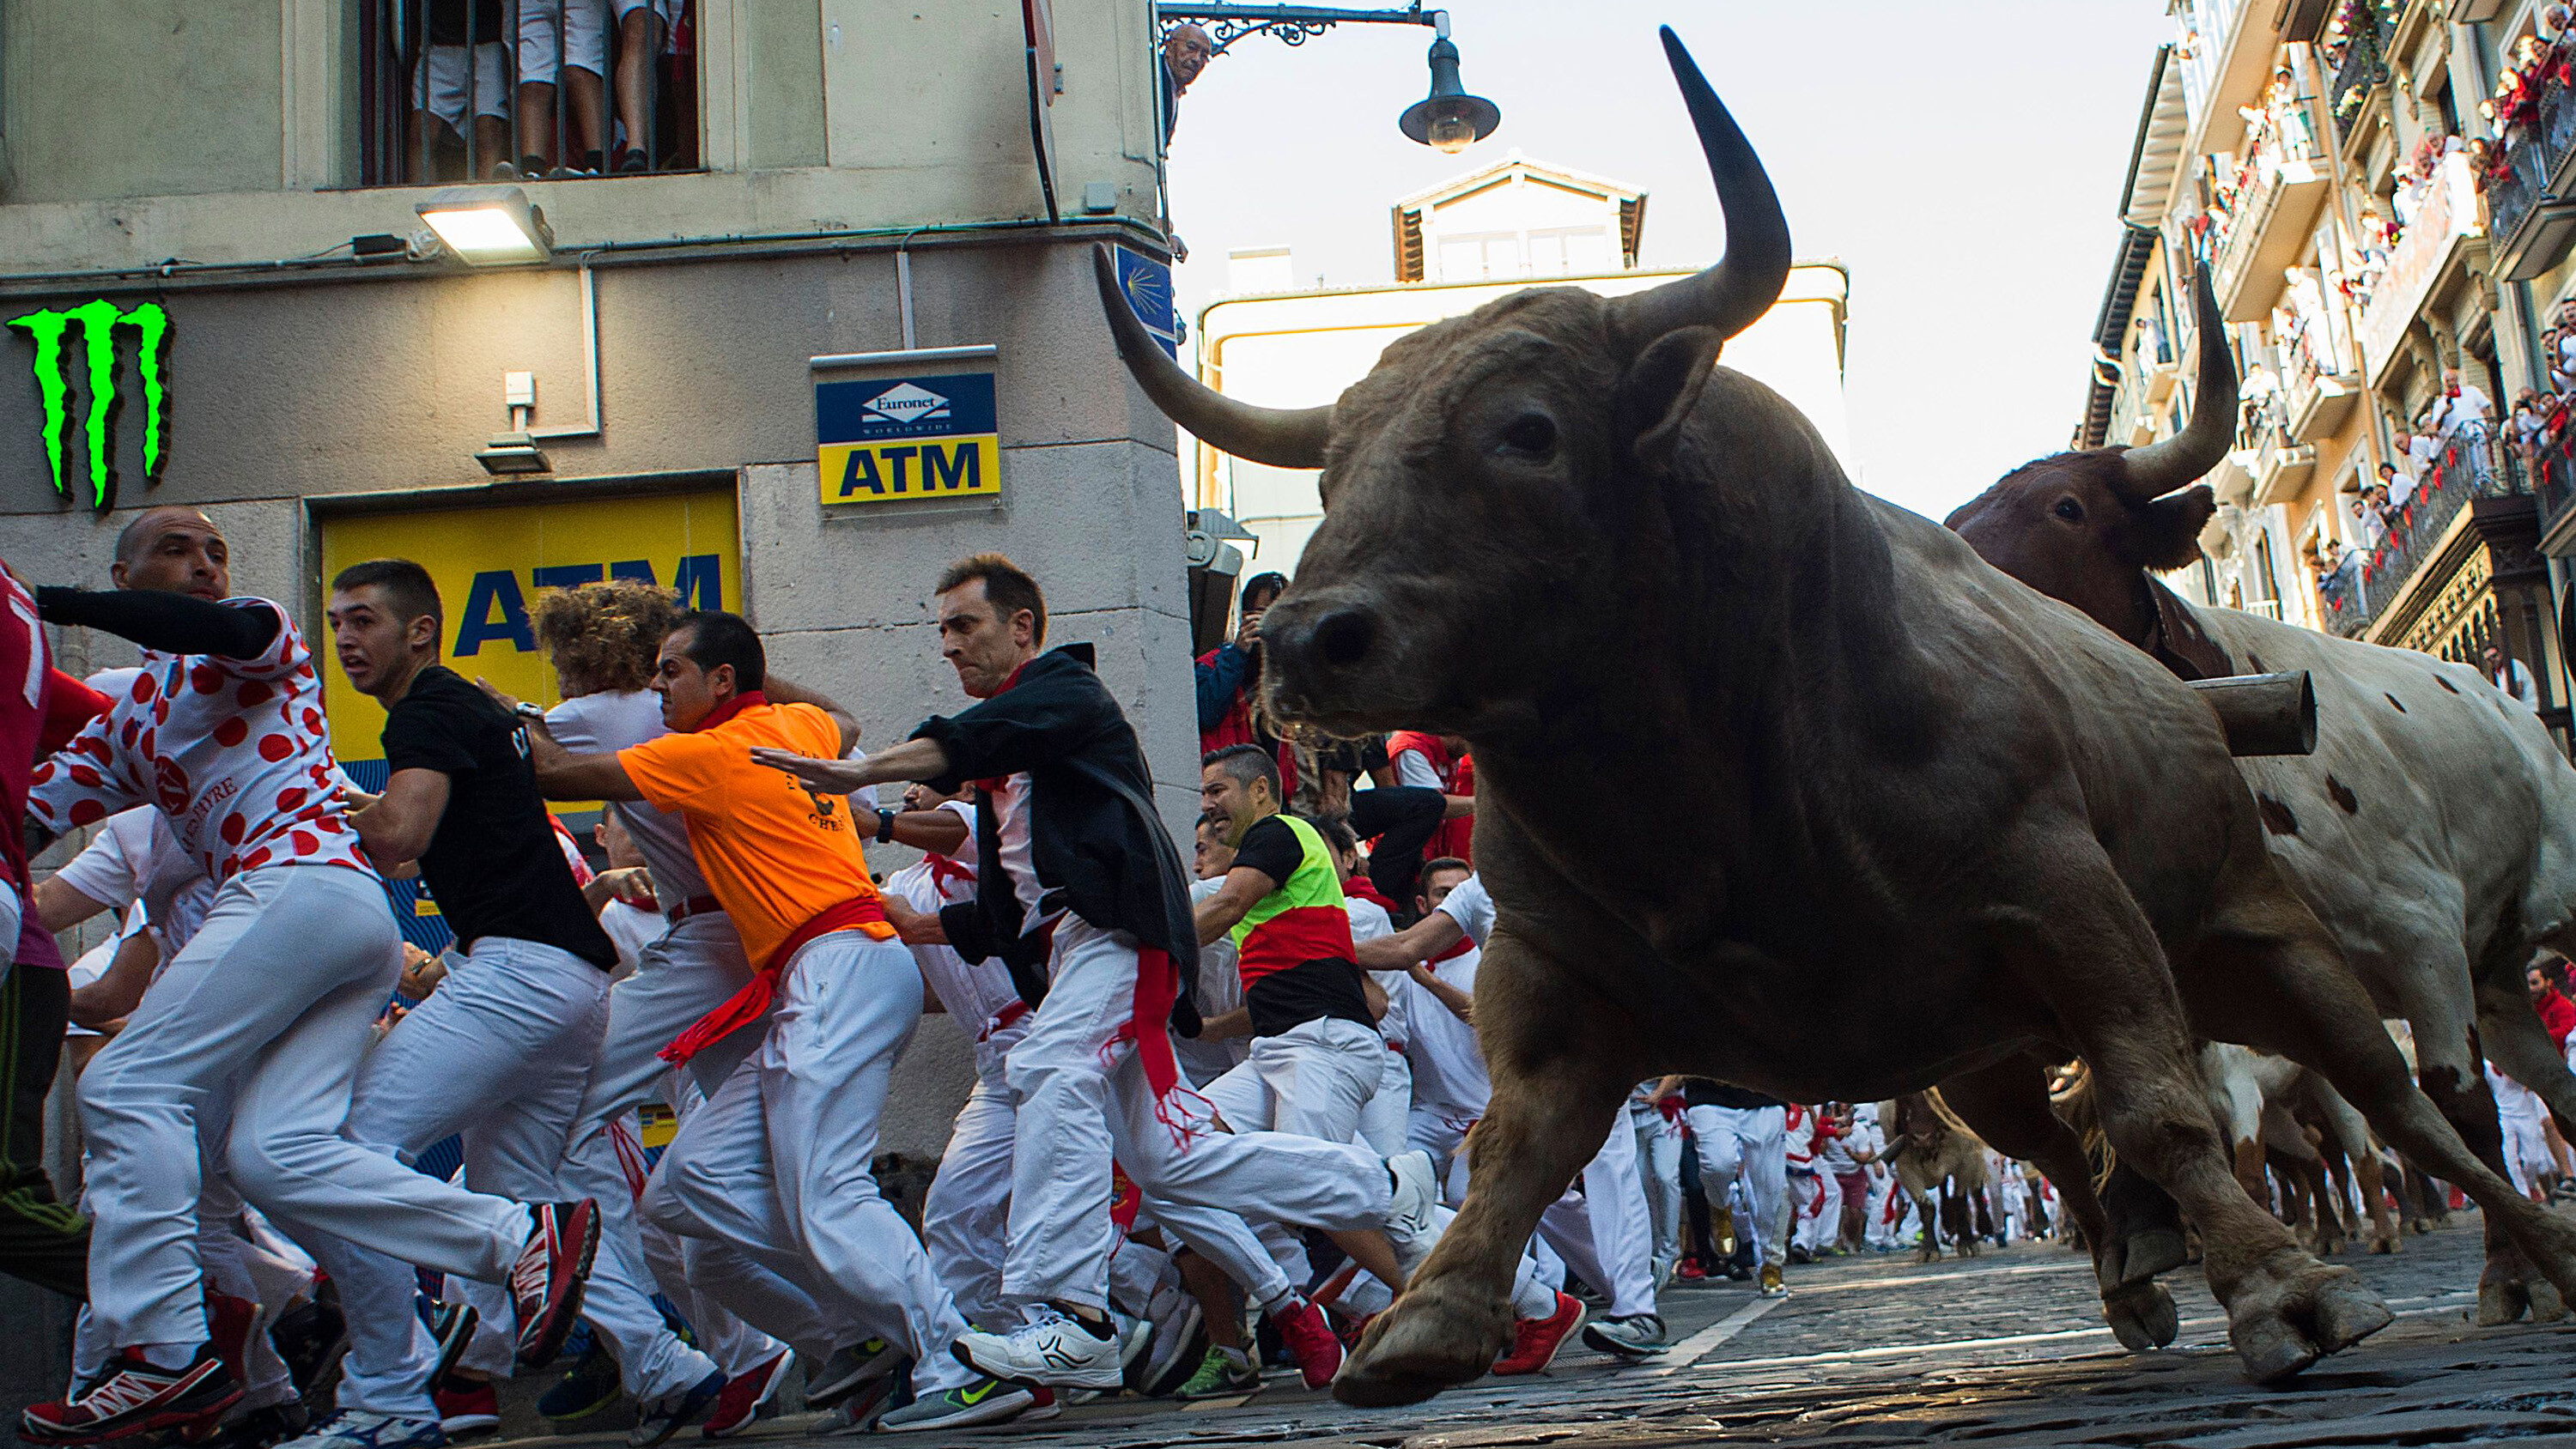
(489, 225)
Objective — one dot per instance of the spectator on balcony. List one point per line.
(1187, 49)
(2527, 424)
(2460, 406)
(2510, 675)
(447, 82)
(2374, 509)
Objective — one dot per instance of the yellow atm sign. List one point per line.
(884, 440)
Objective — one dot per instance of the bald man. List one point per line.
(174, 550)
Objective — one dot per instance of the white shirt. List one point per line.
(1414, 768)
(1368, 923)
(135, 861)
(1448, 1062)
(2518, 685)
(977, 992)
(613, 720)
(630, 929)
(1471, 908)
(1220, 991)
(2471, 406)
(1011, 825)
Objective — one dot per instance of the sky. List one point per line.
(1963, 159)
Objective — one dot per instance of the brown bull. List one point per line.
(1878, 768)
(2433, 828)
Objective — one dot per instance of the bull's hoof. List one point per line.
(2509, 1288)
(2389, 1244)
(2500, 1303)
(2141, 1315)
(2293, 1310)
(2144, 1255)
(2548, 1305)
(1438, 1334)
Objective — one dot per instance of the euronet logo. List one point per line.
(100, 322)
(906, 403)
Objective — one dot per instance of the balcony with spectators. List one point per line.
(2265, 196)
(2525, 173)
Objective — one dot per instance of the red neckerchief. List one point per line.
(1361, 888)
(728, 710)
(1460, 947)
(943, 870)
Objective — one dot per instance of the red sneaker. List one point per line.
(130, 1396)
(231, 1321)
(546, 1282)
(1536, 1340)
(744, 1396)
(1690, 1271)
(1309, 1339)
(466, 1407)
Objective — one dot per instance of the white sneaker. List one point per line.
(1055, 1351)
(1410, 1228)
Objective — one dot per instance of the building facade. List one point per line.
(1458, 246)
(820, 322)
(2352, 175)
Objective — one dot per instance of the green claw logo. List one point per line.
(98, 322)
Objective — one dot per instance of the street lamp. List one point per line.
(1448, 120)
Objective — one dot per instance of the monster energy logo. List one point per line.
(99, 322)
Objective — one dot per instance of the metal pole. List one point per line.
(473, 93)
(563, 93)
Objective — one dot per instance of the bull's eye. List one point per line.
(2069, 509)
(1530, 433)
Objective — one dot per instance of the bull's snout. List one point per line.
(1315, 643)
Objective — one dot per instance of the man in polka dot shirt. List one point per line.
(267, 1009)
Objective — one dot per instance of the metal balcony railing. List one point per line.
(458, 90)
(2535, 148)
(2467, 468)
(2365, 63)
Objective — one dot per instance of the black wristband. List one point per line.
(885, 827)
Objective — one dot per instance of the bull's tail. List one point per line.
(2076, 1107)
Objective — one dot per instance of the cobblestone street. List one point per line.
(2004, 1350)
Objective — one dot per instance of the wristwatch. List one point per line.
(885, 827)
(528, 710)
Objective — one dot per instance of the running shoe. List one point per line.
(985, 1401)
(359, 1429)
(1690, 1271)
(1135, 1335)
(1410, 1228)
(1309, 1340)
(859, 1410)
(1178, 1342)
(262, 1427)
(590, 1385)
(1639, 1335)
(466, 1408)
(1055, 1351)
(546, 1282)
(659, 1419)
(310, 1337)
(1224, 1371)
(746, 1398)
(1049, 1405)
(1772, 1287)
(451, 1327)
(131, 1396)
(849, 1367)
(1535, 1341)
(1721, 1229)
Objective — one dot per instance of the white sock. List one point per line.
(170, 1356)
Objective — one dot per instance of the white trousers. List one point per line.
(1083, 1097)
(499, 1053)
(1313, 1079)
(966, 1215)
(1602, 1232)
(1386, 1126)
(1818, 1199)
(694, 968)
(1750, 1143)
(777, 1162)
(278, 995)
(1442, 1132)
(1659, 1165)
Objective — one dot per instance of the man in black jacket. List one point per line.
(1085, 897)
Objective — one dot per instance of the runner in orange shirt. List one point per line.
(775, 1166)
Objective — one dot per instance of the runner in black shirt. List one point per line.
(502, 1050)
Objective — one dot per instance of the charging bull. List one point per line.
(2433, 828)
(1852, 758)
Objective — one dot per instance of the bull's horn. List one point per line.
(2159, 468)
(1280, 437)
(1747, 280)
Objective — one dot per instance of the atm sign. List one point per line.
(886, 439)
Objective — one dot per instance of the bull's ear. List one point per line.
(2169, 533)
(1661, 387)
